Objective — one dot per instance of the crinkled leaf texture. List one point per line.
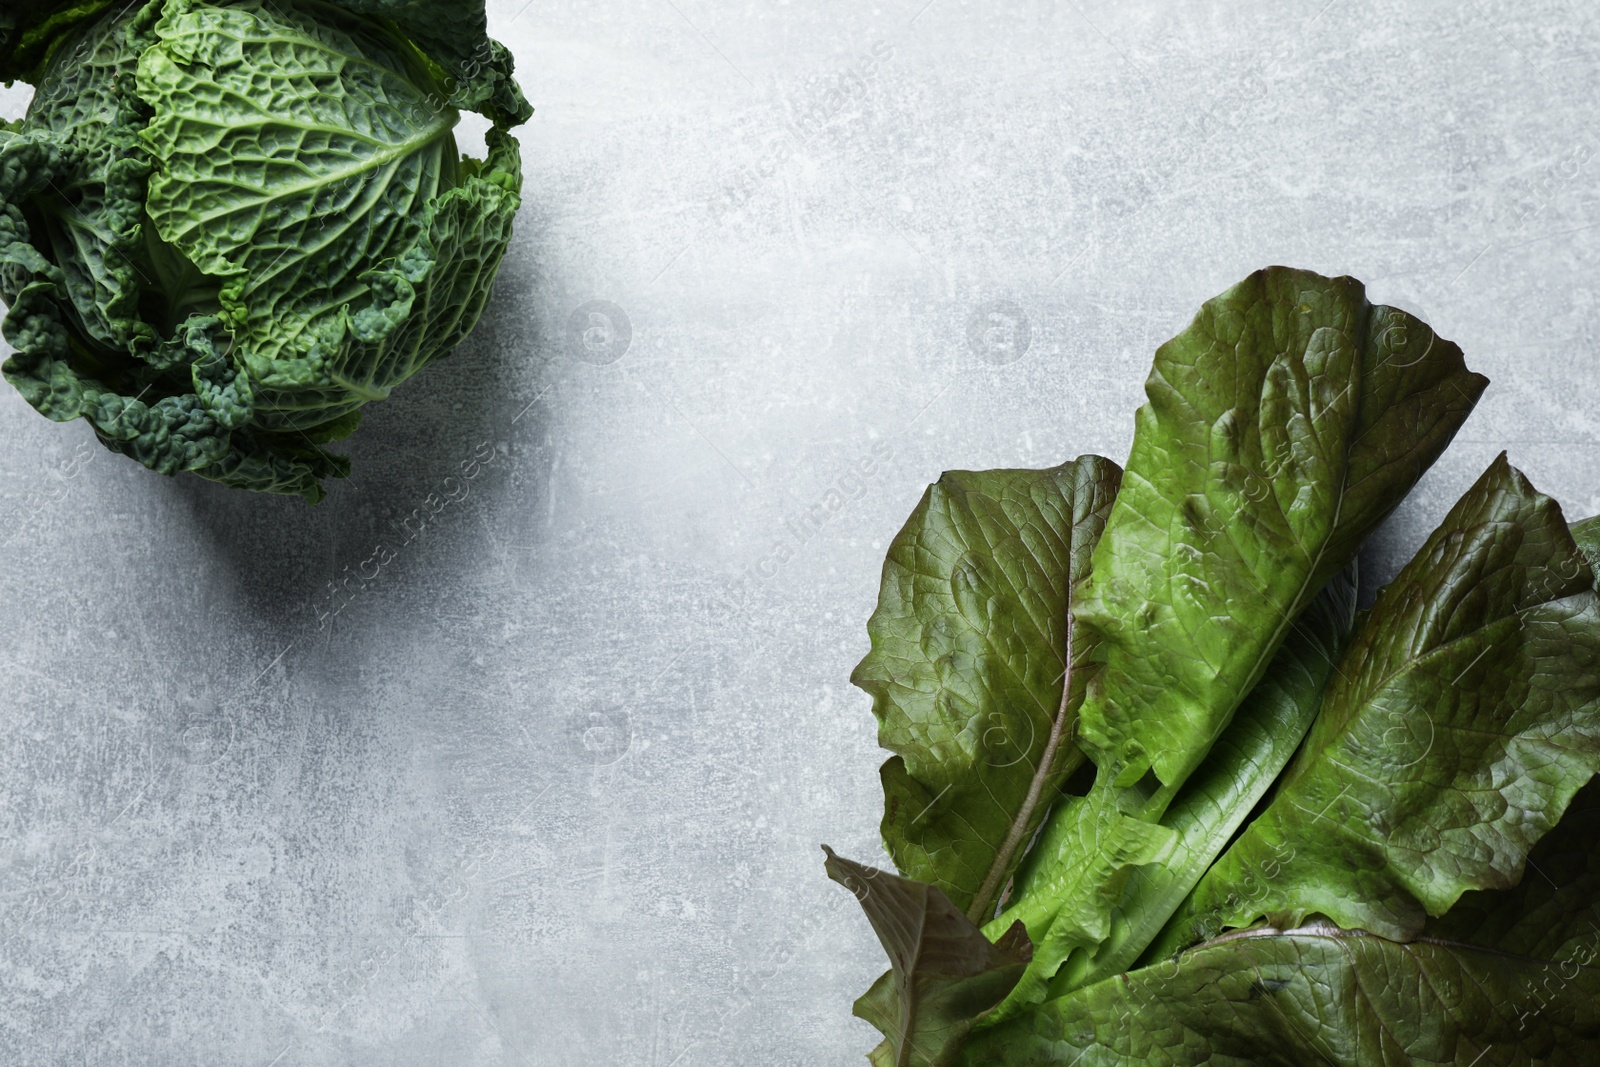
(1587, 535)
(28, 32)
(1553, 914)
(456, 36)
(1282, 427)
(1265, 998)
(1215, 605)
(227, 226)
(1462, 720)
(1101, 884)
(1223, 792)
(1284, 424)
(1508, 977)
(943, 974)
(968, 668)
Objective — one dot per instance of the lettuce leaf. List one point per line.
(1222, 794)
(1462, 720)
(1309, 831)
(1282, 427)
(944, 972)
(1318, 995)
(1512, 970)
(968, 668)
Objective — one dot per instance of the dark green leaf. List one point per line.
(1554, 912)
(1463, 718)
(1100, 884)
(456, 36)
(227, 227)
(1282, 427)
(1300, 998)
(1242, 766)
(29, 32)
(944, 972)
(1587, 535)
(969, 646)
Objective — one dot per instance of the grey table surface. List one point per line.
(549, 788)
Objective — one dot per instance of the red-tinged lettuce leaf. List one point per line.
(1282, 427)
(968, 668)
(944, 972)
(1463, 718)
(1314, 996)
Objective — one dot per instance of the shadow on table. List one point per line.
(431, 465)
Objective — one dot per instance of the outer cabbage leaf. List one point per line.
(969, 646)
(1264, 998)
(1282, 427)
(74, 265)
(456, 36)
(324, 206)
(28, 34)
(1461, 722)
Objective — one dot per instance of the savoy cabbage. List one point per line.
(226, 225)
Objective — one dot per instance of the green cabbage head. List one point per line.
(227, 225)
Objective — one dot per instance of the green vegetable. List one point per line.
(969, 648)
(1462, 721)
(1258, 814)
(944, 973)
(227, 226)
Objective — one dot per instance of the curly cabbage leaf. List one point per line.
(227, 226)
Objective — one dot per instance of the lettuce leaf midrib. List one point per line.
(1008, 854)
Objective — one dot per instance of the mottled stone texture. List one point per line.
(548, 787)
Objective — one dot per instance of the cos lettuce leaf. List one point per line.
(968, 669)
(1587, 535)
(1553, 914)
(1508, 977)
(1282, 427)
(1461, 722)
(1243, 765)
(1346, 998)
(1378, 786)
(943, 973)
(1101, 884)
